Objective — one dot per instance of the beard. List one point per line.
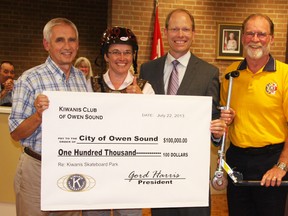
(258, 53)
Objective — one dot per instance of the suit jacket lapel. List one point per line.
(159, 72)
(188, 77)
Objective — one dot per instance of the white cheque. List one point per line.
(102, 151)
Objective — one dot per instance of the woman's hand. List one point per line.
(134, 88)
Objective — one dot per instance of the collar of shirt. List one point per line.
(57, 70)
(181, 67)
(269, 67)
(128, 80)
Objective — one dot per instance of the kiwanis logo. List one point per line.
(271, 88)
(76, 183)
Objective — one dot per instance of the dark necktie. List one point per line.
(173, 80)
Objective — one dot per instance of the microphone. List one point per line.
(233, 74)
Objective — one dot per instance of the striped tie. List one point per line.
(173, 81)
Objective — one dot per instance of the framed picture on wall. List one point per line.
(229, 46)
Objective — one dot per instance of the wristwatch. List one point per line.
(282, 166)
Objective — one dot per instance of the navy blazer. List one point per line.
(200, 79)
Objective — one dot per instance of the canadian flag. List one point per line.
(157, 46)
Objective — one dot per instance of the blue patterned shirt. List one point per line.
(30, 84)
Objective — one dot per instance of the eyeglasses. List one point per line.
(260, 35)
(118, 53)
(184, 30)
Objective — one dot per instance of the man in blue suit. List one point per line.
(195, 77)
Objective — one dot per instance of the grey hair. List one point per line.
(47, 31)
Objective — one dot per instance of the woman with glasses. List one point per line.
(119, 50)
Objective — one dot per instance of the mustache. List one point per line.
(258, 44)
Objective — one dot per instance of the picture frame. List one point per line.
(229, 46)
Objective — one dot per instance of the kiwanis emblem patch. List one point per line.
(271, 88)
(76, 182)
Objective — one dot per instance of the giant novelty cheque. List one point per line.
(102, 151)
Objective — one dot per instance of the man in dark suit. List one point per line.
(195, 77)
